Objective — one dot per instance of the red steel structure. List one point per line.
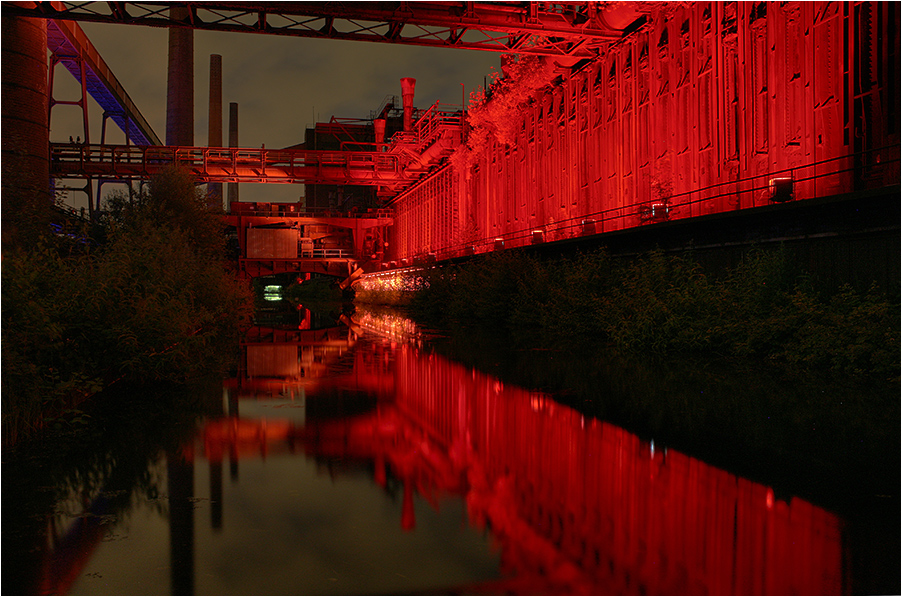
(707, 107)
(228, 164)
(69, 46)
(575, 29)
(276, 238)
(625, 115)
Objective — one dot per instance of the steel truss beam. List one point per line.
(230, 164)
(576, 29)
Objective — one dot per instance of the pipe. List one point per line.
(407, 89)
(432, 154)
(233, 142)
(379, 130)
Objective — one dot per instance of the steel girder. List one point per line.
(575, 29)
(230, 164)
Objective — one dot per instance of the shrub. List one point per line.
(763, 309)
(153, 303)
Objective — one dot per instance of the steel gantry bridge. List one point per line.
(575, 29)
(666, 111)
(393, 165)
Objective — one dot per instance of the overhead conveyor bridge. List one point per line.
(394, 165)
(230, 164)
(70, 47)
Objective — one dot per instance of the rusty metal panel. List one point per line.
(272, 243)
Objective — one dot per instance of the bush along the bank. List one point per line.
(762, 310)
(152, 303)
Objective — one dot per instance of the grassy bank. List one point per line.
(764, 310)
(150, 299)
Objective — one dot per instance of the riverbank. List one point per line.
(754, 370)
(764, 310)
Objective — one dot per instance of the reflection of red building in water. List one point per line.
(577, 505)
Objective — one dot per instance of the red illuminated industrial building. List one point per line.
(608, 117)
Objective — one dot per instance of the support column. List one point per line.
(26, 133)
(233, 142)
(180, 90)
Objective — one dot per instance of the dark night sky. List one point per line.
(281, 85)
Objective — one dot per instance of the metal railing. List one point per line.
(874, 168)
(294, 210)
(219, 164)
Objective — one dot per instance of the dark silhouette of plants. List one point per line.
(154, 302)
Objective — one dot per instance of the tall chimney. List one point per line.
(233, 142)
(214, 121)
(407, 87)
(180, 84)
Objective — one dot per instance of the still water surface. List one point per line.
(353, 459)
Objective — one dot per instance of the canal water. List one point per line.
(346, 455)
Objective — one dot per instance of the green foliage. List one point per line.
(171, 201)
(763, 309)
(153, 303)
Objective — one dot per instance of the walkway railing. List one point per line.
(299, 211)
(223, 164)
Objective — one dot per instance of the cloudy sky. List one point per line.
(282, 85)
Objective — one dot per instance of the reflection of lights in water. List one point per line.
(536, 401)
(401, 280)
(393, 327)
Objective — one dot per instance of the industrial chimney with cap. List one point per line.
(407, 87)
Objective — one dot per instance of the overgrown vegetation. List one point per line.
(152, 301)
(762, 310)
(492, 116)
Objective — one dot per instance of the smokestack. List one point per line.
(379, 130)
(407, 86)
(214, 119)
(233, 142)
(180, 83)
